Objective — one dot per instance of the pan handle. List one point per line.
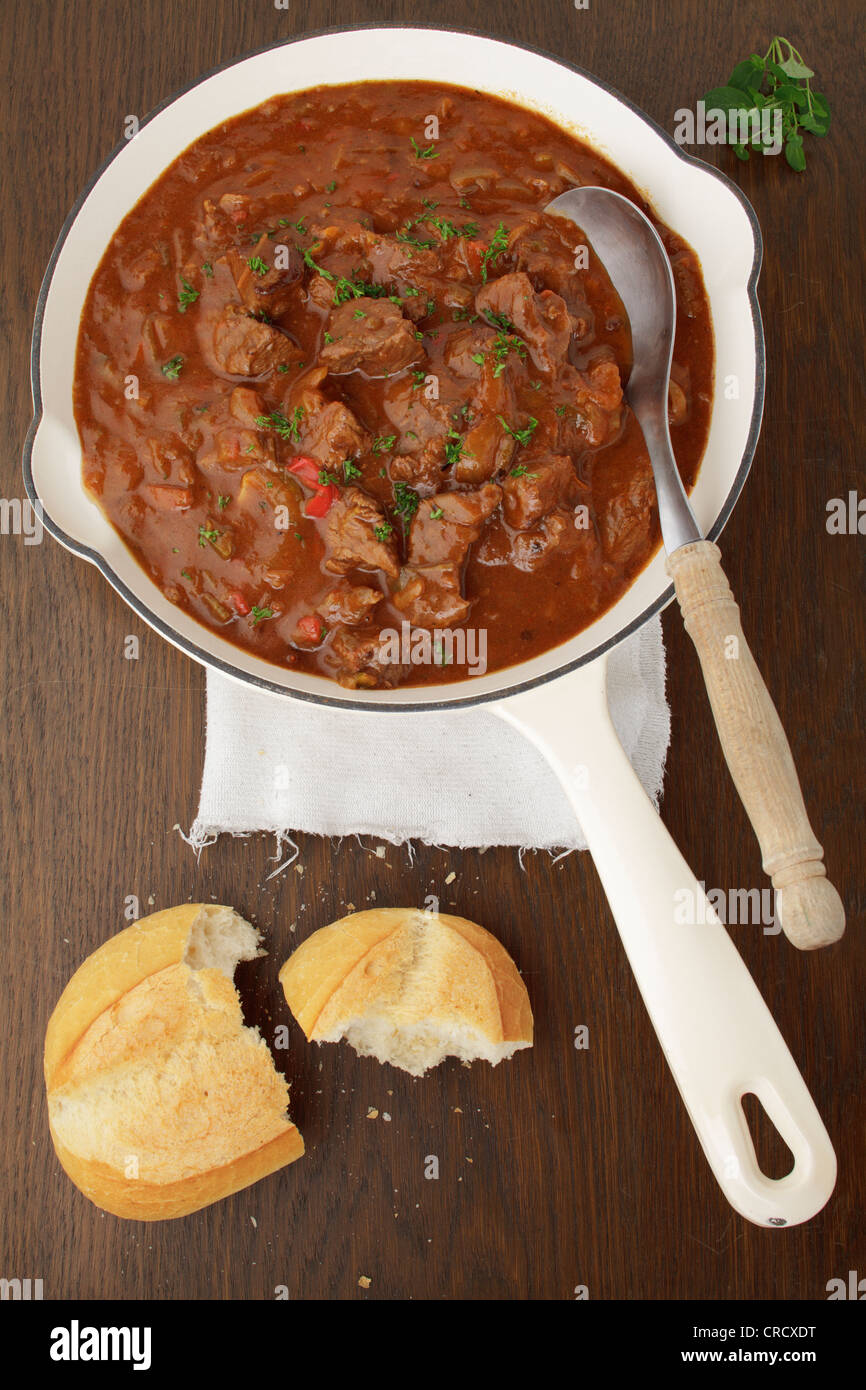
(756, 750)
(716, 1032)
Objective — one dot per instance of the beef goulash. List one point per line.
(333, 377)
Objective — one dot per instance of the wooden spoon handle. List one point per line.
(756, 749)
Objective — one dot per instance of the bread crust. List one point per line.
(144, 962)
(143, 1201)
(316, 977)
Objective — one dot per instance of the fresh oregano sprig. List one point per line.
(780, 81)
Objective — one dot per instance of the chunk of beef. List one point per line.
(370, 334)
(465, 350)
(431, 597)
(171, 458)
(445, 525)
(363, 658)
(351, 539)
(547, 482)
(345, 230)
(594, 407)
(246, 405)
(243, 346)
(273, 291)
(487, 448)
(541, 320)
(442, 531)
(602, 384)
(548, 260)
(330, 432)
(350, 604)
(398, 262)
(531, 548)
(422, 426)
(626, 514)
(238, 448)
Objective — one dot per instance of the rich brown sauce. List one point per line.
(165, 449)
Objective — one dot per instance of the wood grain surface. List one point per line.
(563, 1167)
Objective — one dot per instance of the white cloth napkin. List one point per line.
(284, 765)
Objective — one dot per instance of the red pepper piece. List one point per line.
(240, 603)
(320, 504)
(307, 470)
(310, 630)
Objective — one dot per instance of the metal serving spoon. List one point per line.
(753, 740)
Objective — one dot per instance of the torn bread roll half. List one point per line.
(160, 1100)
(409, 987)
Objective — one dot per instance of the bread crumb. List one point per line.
(372, 1113)
(350, 907)
(457, 1110)
(451, 877)
(364, 1282)
(299, 868)
(385, 1115)
(255, 1222)
(380, 851)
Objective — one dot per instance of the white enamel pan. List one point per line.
(717, 1034)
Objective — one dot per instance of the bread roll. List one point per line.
(410, 988)
(160, 1101)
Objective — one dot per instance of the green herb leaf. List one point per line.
(285, 428)
(187, 295)
(498, 244)
(429, 153)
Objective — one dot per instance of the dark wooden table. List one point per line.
(565, 1167)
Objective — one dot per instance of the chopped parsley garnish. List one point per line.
(299, 226)
(403, 235)
(406, 501)
(522, 436)
(329, 187)
(453, 448)
(325, 478)
(207, 533)
(383, 532)
(258, 614)
(223, 501)
(502, 345)
(436, 513)
(286, 429)
(207, 268)
(308, 260)
(354, 287)
(350, 470)
(187, 295)
(498, 244)
(428, 153)
(257, 265)
(521, 471)
(359, 314)
(172, 368)
(420, 377)
(383, 442)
